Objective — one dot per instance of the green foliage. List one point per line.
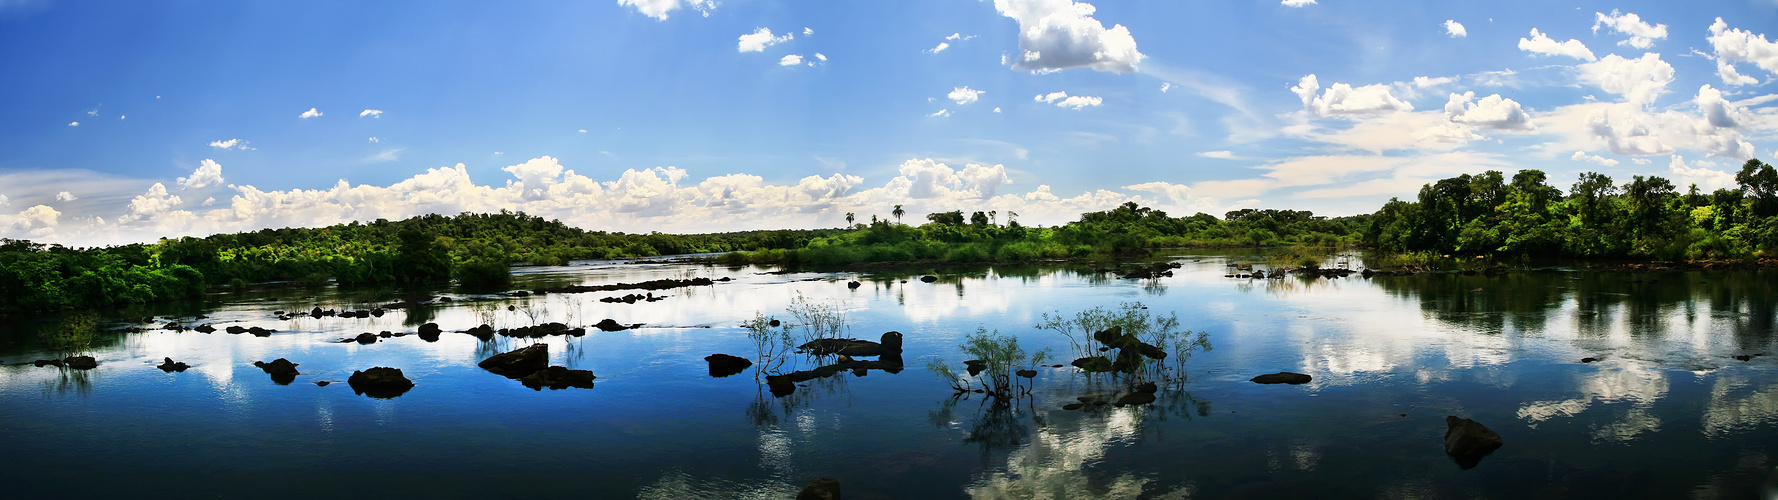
(75, 335)
(818, 320)
(998, 355)
(1645, 217)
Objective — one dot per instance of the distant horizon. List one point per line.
(138, 121)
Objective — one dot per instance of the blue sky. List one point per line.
(131, 121)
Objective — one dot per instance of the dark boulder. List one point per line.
(366, 338)
(429, 330)
(171, 366)
(380, 382)
(519, 362)
(543, 330)
(484, 332)
(1094, 364)
(558, 377)
(1282, 378)
(1026, 373)
(890, 344)
(821, 488)
(205, 328)
(1588, 359)
(853, 284)
(781, 385)
(723, 365)
(81, 362)
(282, 370)
(236, 329)
(260, 332)
(316, 312)
(928, 279)
(1467, 441)
(1135, 398)
(611, 325)
(47, 362)
(975, 366)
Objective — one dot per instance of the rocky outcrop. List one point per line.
(853, 284)
(558, 377)
(1282, 378)
(723, 365)
(660, 284)
(543, 330)
(366, 338)
(236, 329)
(785, 384)
(205, 329)
(519, 362)
(380, 382)
(1156, 270)
(282, 370)
(611, 325)
(81, 362)
(821, 488)
(429, 331)
(171, 366)
(928, 279)
(48, 362)
(890, 344)
(484, 332)
(1467, 441)
(634, 298)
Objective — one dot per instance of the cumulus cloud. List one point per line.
(807, 31)
(1707, 179)
(1639, 80)
(1455, 29)
(997, 109)
(820, 57)
(1731, 46)
(659, 9)
(154, 202)
(1492, 112)
(939, 48)
(1059, 34)
(65, 196)
(374, 140)
(1628, 130)
(73, 124)
(208, 173)
(373, 113)
(965, 95)
(1718, 112)
(3, 201)
(1343, 99)
(791, 60)
(1297, 3)
(1225, 155)
(1594, 159)
(758, 40)
(1543, 45)
(33, 223)
(311, 113)
(240, 144)
(1642, 35)
(1421, 82)
(1062, 99)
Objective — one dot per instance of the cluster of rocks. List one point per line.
(171, 366)
(660, 284)
(633, 298)
(75, 362)
(1130, 351)
(1320, 272)
(1141, 394)
(888, 353)
(530, 366)
(542, 330)
(1152, 271)
(323, 313)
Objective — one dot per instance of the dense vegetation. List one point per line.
(1642, 218)
(1129, 229)
(474, 248)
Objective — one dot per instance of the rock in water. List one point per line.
(610, 325)
(484, 332)
(1283, 378)
(853, 284)
(366, 338)
(380, 382)
(1135, 398)
(81, 362)
(1467, 441)
(281, 370)
(429, 332)
(558, 377)
(723, 365)
(928, 279)
(822, 488)
(518, 363)
(171, 366)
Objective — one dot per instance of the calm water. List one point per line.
(1668, 412)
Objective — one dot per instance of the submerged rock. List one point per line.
(1094, 364)
(1588, 359)
(380, 382)
(543, 330)
(928, 279)
(366, 338)
(1283, 378)
(890, 344)
(205, 329)
(484, 332)
(519, 362)
(821, 488)
(558, 377)
(171, 366)
(723, 365)
(81, 362)
(611, 325)
(1467, 441)
(1026, 373)
(47, 362)
(282, 370)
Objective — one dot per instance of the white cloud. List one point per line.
(1639, 80)
(1455, 29)
(1165, 86)
(807, 31)
(92, 112)
(965, 95)
(1642, 35)
(240, 144)
(1707, 179)
(1059, 34)
(1543, 45)
(581, 131)
(311, 113)
(65, 196)
(658, 9)
(1297, 3)
(388, 155)
(940, 113)
(820, 57)
(791, 60)
(32, 223)
(373, 113)
(940, 48)
(1343, 99)
(1718, 112)
(1224, 155)
(374, 140)
(1731, 46)
(1492, 112)
(1067, 101)
(154, 202)
(997, 109)
(1594, 159)
(757, 41)
(208, 173)
(1422, 82)
(73, 124)
(3, 201)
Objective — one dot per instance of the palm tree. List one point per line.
(849, 218)
(897, 212)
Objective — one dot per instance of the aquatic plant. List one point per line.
(75, 334)
(772, 348)
(1131, 320)
(818, 320)
(994, 358)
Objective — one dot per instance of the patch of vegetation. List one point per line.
(991, 369)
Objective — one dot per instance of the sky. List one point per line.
(128, 122)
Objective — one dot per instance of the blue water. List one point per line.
(1668, 412)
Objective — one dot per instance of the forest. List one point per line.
(1483, 214)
